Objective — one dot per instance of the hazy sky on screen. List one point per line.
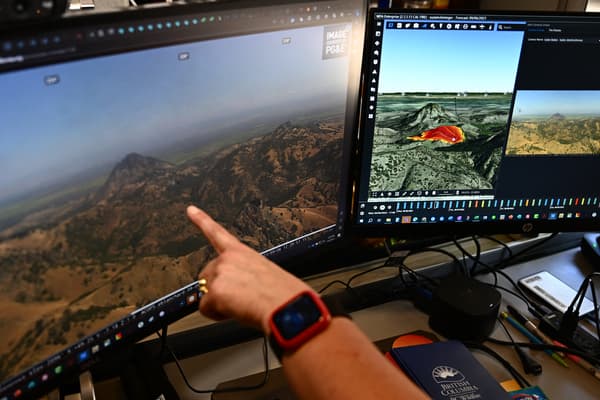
(107, 107)
(548, 102)
(419, 60)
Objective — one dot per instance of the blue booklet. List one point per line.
(448, 371)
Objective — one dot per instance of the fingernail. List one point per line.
(193, 210)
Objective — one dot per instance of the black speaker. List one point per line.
(464, 309)
(15, 11)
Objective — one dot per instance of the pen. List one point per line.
(581, 362)
(531, 327)
(532, 338)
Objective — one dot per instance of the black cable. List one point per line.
(398, 263)
(579, 296)
(492, 269)
(570, 318)
(436, 250)
(533, 304)
(544, 346)
(501, 243)
(571, 315)
(330, 284)
(347, 285)
(530, 366)
(393, 262)
(507, 331)
(477, 261)
(477, 248)
(517, 295)
(465, 269)
(359, 274)
(163, 341)
(513, 371)
(414, 274)
(388, 246)
(527, 249)
(224, 390)
(495, 270)
(595, 300)
(475, 258)
(430, 249)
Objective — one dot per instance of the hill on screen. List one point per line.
(73, 268)
(400, 163)
(555, 134)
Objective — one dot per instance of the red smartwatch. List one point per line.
(297, 321)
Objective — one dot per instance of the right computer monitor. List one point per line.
(478, 123)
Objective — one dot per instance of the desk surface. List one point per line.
(398, 317)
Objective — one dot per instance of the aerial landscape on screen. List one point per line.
(442, 127)
(438, 141)
(92, 216)
(555, 122)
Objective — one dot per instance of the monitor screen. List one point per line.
(113, 123)
(478, 123)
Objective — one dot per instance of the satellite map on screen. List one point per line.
(438, 141)
(441, 125)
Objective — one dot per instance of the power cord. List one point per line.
(500, 242)
(476, 258)
(570, 318)
(417, 279)
(526, 250)
(496, 269)
(530, 366)
(265, 351)
(543, 346)
(513, 371)
(337, 281)
(398, 263)
(417, 287)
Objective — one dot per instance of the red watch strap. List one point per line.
(328, 307)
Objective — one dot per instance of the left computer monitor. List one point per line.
(113, 123)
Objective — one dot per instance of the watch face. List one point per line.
(297, 316)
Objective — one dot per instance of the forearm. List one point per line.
(342, 363)
(338, 363)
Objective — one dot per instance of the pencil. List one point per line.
(532, 338)
(581, 362)
(531, 327)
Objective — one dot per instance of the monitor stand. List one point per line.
(276, 387)
(86, 385)
(144, 377)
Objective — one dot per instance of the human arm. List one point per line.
(338, 363)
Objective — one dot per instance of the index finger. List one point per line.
(218, 236)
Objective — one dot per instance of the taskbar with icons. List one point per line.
(64, 366)
(388, 211)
